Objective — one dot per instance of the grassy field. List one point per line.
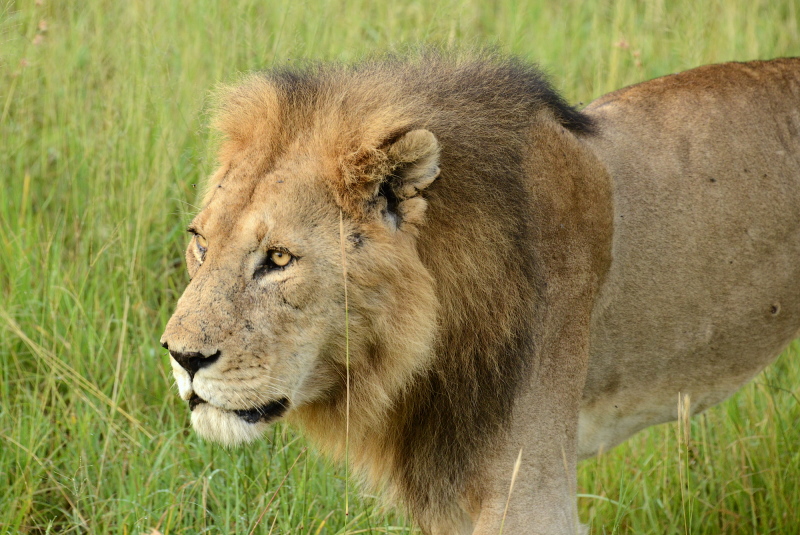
(102, 140)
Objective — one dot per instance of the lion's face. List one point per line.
(265, 304)
(261, 329)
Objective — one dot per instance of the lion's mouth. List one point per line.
(194, 401)
(265, 413)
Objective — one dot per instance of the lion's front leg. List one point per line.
(530, 483)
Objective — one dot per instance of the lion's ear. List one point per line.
(415, 160)
(413, 165)
(386, 179)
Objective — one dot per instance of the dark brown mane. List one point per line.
(485, 79)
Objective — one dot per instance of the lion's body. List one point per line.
(658, 232)
(704, 288)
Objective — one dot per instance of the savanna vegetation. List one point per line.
(103, 139)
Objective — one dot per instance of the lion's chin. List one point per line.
(225, 427)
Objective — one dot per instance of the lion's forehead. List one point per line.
(291, 199)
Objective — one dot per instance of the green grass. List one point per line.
(102, 140)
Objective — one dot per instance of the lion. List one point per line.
(440, 266)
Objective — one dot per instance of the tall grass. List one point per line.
(103, 141)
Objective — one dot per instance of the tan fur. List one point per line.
(493, 239)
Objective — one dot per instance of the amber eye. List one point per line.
(276, 260)
(280, 258)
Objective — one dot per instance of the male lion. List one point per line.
(478, 275)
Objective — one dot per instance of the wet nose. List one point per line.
(192, 361)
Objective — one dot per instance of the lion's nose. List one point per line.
(193, 361)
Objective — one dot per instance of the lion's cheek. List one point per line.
(318, 381)
(224, 427)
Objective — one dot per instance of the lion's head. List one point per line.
(262, 329)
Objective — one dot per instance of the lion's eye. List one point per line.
(275, 260)
(202, 246)
(280, 258)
